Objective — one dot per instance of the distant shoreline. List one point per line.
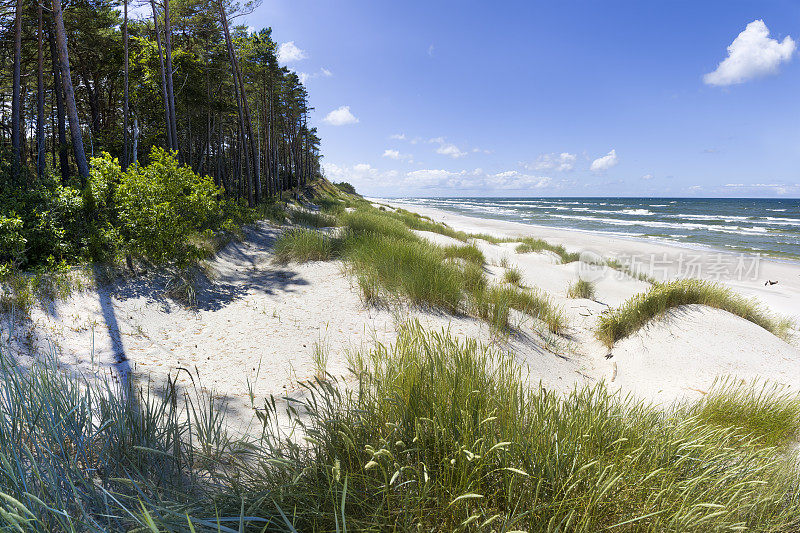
(717, 232)
(671, 258)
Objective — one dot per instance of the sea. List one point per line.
(770, 227)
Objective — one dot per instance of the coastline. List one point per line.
(744, 273)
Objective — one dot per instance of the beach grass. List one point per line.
(530, 244)
(644, 307)
(469, 253)
(582, 288)
(302, 245)
(767, 412)
(433, 433)
(445, 435)
(312, 219)
(513, 276)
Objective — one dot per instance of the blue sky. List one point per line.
(557, 98)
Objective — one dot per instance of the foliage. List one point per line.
(513, 276)
(644, 307)
(346, 187)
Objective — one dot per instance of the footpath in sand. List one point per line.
(257, 325)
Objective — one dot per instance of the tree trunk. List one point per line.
(170, 92)
(63, 157)
(69, 93)
(242, 108)
(16, 127)
(167, 116)
(40, 142)
(125, 156)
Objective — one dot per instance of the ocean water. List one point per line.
(768, 227)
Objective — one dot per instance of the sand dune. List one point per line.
(256, 325)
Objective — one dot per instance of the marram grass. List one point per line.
(582, 288)
(432, 433)
(302, 245)
(644, 307)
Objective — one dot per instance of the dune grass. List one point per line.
(767, 412)
(582, 288)
(302, 245)
(437, 434)
(530, 244)
(413, 269)
(644, 307)
(311, 218)
(493, 304)
(513, 276)
(632, 271)
(469, 253)
(444, 435)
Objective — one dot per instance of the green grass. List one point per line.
(642, 308)
(469, 253)
(530, 244)
(444, 435)
(581, 289)
(513, 276)
(435, 433)
(376, 222)
(304, 245)
(493, 304)
(767, 412)
(312, 219)
(413, 269)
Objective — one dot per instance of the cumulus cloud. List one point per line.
(391, 154)
(448, 149)
(606, 162)
(398, 136)
(761, 188)
(647, 177)
(750, 55)
(563, 162)
(475, 180)
(340, 117)
(361, 175)
(289, 53)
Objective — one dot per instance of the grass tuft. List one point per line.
(513, 276)
(581, 289)
(530, 244)
(644, 307)
(312, 219)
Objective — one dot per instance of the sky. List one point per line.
(550, 98)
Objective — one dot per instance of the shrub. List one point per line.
(12, 241)
(642, 308)
(346, 187)
(162, 204)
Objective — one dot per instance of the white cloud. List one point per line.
(398, 136)
(361, 175)
(289, 53)
(606, 162)
(563, 162)
(322, 73)
(430, 50)
(448, 149)
(340, 117)
(750, 55)
(391, 154)
(647, 177)
(475, 180)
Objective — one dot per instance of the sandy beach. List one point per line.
(257, 325)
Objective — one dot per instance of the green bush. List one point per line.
(12, 242)
(161, 205)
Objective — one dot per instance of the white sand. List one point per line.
(257, 324)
